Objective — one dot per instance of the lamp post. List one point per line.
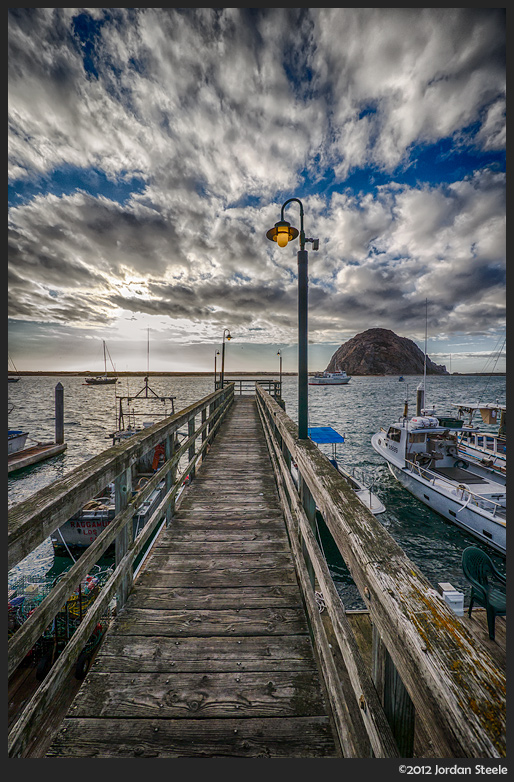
(215, 355)
(279, 354)
(222, 376)
(282, 233)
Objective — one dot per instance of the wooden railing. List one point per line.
(245, 386)
(33, 520)
(428, 671)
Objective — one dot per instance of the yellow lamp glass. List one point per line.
(282, 235)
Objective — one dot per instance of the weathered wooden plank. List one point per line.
(299, 737)
(182, 533)
(279, 596)
(134, 654)
(170, 696)
(205, 563)
(197, 622)
(214, 547)
(258, 577)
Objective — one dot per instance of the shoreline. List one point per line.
(87, 373)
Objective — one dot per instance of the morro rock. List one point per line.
(382, 352)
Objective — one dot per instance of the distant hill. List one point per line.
(382, 352)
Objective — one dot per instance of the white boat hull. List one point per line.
(482, 526)
(329, 381)
(16, 441)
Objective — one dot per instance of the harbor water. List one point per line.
(356, 410)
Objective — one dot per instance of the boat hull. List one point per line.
(329, 381)
(82, 529)
(104, 381)
(482, 526)
(16, 441)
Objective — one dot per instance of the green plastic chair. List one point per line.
(481, 572)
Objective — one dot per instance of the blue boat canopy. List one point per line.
(324, 434)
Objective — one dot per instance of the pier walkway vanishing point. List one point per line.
(211, 654)
(219, 647)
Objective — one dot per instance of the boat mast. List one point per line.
(425, 360)
(105, 360)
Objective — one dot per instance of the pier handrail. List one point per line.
(456, 689)
(33, 520)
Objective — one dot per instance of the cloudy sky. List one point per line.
(151, 149)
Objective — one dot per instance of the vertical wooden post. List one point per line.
(171, 476)
(191, 452)
(59, 414)
(122, 495)
(204, 419)
(397, 704)
(309, 507)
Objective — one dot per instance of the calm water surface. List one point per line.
(357, 410)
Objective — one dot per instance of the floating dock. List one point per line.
(37, 453)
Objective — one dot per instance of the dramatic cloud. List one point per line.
(151, 149)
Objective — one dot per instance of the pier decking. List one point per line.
(219, 647)
(211, 654)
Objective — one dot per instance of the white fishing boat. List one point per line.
(16, 440)
(490, 448)
(329, 379)
(105, 379)
(425, 458)
(326, 435)
(83, 528)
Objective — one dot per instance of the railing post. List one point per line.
(395, 699)
(191, 452)
(170, 445)
(122, 495)
(309, 507)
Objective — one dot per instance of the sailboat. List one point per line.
(103, 380)
(13, 378)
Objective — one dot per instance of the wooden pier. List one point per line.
(219, 648)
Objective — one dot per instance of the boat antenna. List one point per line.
(425, 360)
(148, 351)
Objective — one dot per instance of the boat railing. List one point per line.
(466, 494)
(425, 665)
(32, 521)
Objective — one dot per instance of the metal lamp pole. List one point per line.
(282, 233)
(222, 376)
(279, 354)
(215, 375)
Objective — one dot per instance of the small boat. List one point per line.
(105, 379)
(490, 448)
(339, 378)
(423, 454)
(326, 435)
(17, 439)
(12, 378)
(400, 379)
(83, 527)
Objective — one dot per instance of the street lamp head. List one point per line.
(282, 233)
(229, 336)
